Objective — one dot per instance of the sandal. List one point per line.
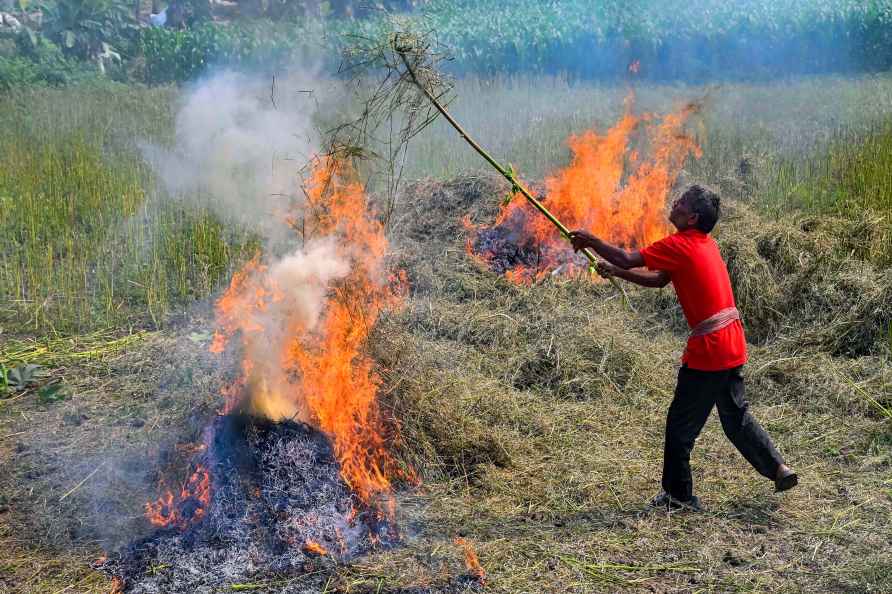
(786, 479)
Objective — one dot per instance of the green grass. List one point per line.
(858, 173)
(87, 239)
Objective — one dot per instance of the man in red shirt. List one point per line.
(710, 374)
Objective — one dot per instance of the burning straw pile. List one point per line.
(616, 186)
(269, 498)
(295, 469)
(298, 467)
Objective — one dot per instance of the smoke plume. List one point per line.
(239, 143)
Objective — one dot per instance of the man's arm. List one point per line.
(613, 254)
(654, 280)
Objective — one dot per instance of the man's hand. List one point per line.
(617, 256)
(581, 240)
(605, 269)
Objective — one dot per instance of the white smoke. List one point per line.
(306, 275)
(239, 152)
(239, 144)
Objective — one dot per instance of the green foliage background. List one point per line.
(673, 39)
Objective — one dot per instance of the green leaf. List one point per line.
(32, 37)
(199, 337)
(23, 376)
(54, 392)
(4, 381)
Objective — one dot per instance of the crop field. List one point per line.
(700, 40)
(529, 417)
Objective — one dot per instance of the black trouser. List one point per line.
(696, 393)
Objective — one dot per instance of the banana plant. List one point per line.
(80, 27)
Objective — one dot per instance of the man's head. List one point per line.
(696, 208)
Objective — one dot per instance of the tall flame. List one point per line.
(608, 189)
(303, 322)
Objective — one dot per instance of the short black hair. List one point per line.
(706, 204)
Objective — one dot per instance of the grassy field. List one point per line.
(785, 128)
(534, 414)
(87, 241)
(91, 242)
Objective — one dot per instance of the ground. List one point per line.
(534, 416)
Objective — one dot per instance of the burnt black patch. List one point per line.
(274, 488)
(504, 249)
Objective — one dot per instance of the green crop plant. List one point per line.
(81, 26)
(671, 40)
(85, 240)
(173, 55)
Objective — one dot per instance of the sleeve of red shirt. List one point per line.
(663, 255)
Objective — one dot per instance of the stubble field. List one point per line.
(533, 414)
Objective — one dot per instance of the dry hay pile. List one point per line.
(820, 313)
(802, 280)
(534, 412)
(804, 293)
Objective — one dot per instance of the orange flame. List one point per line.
(117, 586)
(472, 563)
(634, 67)
(609, 189)
(313, 547)
(303, 340)
(168, 510)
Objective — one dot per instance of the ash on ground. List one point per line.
(503, 252)
(275, 488)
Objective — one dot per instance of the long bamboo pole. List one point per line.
(507, 173)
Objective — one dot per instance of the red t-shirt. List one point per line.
(701, 282)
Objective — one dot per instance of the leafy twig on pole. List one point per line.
(412, 53)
